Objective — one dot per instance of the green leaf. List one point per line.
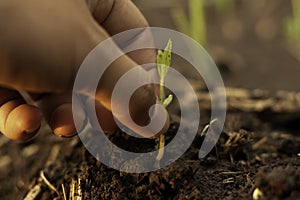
(168, 100)
(160, 61)
(167, 55)
(163, 64)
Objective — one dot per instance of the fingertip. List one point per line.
(61, 121)
(23, 122)
(104, 118)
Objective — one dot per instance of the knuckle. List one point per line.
(100, 9)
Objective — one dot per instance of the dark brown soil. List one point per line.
(250, 154)
(257, 149)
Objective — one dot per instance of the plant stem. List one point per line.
(160, 150)
(161, 90)
(161, 139)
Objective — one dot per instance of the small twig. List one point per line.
(260, 143)
(34, 192)
(47, 182)
(228, 180)
(64, 191)
(230, 173)
(79, 192)
(72, 190)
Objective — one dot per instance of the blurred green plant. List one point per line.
(292, 29)
(193, 25)
(223, 6)
(293, 23)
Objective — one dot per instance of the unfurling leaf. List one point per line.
(168, 100)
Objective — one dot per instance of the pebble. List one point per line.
(257, 194)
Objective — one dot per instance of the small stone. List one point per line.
(257, 194)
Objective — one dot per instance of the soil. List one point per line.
(258, 148)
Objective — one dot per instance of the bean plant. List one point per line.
(163, 64)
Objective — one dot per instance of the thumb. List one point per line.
(134, 102)
(125, 88)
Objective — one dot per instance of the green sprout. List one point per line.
(163, 64)
(207, 126)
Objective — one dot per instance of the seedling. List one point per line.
(207, 126)
(163, 64)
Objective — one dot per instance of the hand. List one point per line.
(42, 45)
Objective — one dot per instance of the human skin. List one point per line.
(42, 45)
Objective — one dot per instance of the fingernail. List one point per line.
(62, 121)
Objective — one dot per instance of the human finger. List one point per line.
(18, 120)
(58, 112)
(116, 16)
